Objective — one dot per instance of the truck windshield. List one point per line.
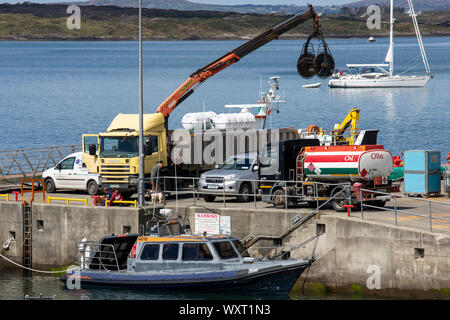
(237, 164)
(117, 147)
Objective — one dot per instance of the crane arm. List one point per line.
(196, 78)
(351, 120)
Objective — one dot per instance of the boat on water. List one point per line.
(268, 102)
(371, 39)
(377, 75)
(170, 258)
(312, 85)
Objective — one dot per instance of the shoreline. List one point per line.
(100, 39)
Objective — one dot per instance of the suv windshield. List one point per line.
(112, 147)
(237, 164)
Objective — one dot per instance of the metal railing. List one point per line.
(400, 214)
(190, 185)
(30, 163)
(95, 255)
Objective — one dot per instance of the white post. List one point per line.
(141, 186)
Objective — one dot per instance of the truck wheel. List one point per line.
(92, 187)
(339, 201)
(49, 185)
(278, 198)
(245, 190)
(379, 203)
(209, 198)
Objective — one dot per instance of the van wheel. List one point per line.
(50, 185)
(92, 187)
(278, 198)
(245, 190)
(209, 198)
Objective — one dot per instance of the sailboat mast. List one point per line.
(391, 42)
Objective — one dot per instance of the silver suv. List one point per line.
(235, 175)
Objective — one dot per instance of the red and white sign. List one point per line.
(207, 222)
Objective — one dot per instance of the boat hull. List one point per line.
(272, 279)
(385, 82)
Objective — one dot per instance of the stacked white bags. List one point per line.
(242, 120)
(223, 121)
(191, 119)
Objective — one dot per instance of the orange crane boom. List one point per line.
(196, 78)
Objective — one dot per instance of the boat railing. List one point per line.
(93, 255)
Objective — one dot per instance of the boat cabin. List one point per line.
(185, 251)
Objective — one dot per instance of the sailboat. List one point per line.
(377, 75)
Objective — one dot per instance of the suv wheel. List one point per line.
(209, 198)
(245, 192)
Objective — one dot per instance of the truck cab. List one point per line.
(277, 163)
(70, 173)
(114, 154)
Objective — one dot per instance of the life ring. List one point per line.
(312, 128)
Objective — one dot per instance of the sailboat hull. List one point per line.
(382, 82)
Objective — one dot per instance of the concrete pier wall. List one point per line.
(56, 227)
(351, 252)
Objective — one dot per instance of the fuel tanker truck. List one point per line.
(314, 174)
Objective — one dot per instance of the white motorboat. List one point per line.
(376, 75)
(312, 85)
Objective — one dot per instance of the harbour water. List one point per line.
(52, 92)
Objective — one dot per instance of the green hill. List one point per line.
(48, 22)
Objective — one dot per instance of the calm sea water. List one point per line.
(52, 92)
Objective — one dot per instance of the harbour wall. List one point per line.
(56, 227)
(351, 253)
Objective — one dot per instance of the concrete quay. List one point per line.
(365, 252)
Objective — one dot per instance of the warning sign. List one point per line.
(207, 222)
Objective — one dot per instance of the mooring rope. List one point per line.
(34, 270)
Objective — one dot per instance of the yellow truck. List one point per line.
(114, 154)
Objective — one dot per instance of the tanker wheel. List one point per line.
(278, 198)
(340, 200)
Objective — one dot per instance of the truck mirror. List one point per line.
(92, 149)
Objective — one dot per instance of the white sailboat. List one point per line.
(377, 75)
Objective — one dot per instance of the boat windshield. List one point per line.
(241, 248)
(225, 250)
(119, 147)
(235, 163)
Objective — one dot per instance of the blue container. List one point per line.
(422, 172)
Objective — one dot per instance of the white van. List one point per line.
(70, 173)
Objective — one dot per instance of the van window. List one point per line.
(225, 250)
(150, 252)
(196, 252)
(68, 164)
(170, 251)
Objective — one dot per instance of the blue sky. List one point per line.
(315, 2)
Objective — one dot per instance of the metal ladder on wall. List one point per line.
(27, 252)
